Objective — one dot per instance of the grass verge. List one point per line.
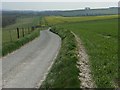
(9, 47)
(64, 72)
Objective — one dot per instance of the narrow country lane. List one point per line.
(26, 67)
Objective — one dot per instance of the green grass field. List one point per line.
(100, 38)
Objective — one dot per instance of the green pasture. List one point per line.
(99, 35)
(100, 39)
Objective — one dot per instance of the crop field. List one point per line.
(99, 35)
(52, 20)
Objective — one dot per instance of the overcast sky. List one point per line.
(55, 5)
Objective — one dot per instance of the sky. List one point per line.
(51, 5)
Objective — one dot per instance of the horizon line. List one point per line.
(59, 9)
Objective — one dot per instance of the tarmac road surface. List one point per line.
(26, 67)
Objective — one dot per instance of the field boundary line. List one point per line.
(85, 75)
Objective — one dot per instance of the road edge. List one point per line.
(45, 74)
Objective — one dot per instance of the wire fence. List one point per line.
(10, 35)
(15, 34)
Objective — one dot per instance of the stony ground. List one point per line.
(84, 67)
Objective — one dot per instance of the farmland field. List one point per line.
(52, 20)
(99, 35)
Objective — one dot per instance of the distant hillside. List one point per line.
(83, 12)
(9, 17)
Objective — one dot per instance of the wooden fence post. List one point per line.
(23, 31)
(18, 33)
(32, 28)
